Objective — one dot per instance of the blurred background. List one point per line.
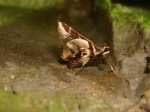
(33, 78)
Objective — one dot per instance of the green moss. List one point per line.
(49, 102)
(32, 4)
(41, 102)
(9, 15)
(121, 15)
(6, 20)
(125, 16)
(143, 15)
(104, 4)
(14, 11)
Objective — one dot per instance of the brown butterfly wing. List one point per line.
(77, 49)
(67, 33)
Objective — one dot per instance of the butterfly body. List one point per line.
(78, 50)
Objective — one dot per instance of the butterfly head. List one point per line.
(105, 49)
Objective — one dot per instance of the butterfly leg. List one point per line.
(73, 63)
(83, 64)
(111, 67)
(104, 61)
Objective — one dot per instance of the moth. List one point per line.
(78, 50)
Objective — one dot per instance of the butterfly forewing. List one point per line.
(77, 49)
(67, 33)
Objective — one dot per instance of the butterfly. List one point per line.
(78, 50)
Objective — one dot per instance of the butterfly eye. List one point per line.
(107, 49)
